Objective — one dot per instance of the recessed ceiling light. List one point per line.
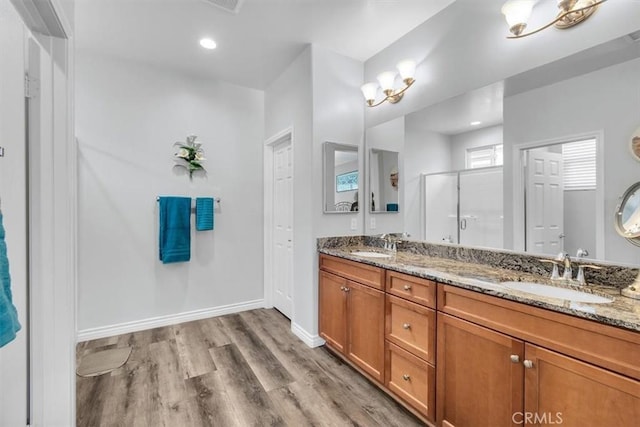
(475, 123)
(208, 43)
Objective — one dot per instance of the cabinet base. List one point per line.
(404, 404)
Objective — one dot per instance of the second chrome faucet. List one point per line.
(563, 259)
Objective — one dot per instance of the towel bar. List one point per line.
(217, 199)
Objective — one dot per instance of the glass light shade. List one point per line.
(407, 69)
(208, 43)
(369, 90)
(517, 11)
(387, 80)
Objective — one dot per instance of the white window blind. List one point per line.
(579, 159)
(484, 157)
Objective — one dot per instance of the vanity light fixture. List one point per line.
(208, 43)
(572, 12)
(386, 80)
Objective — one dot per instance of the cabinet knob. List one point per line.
(515, 358)
(406, 377)
(407, 287)
(528, 364)
(342, 288)
(347, 289)
(406, 325)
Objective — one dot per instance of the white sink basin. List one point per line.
(370, 254)
(554, 292)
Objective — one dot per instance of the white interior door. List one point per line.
(544, 202)
(13, 356)
(283, 228)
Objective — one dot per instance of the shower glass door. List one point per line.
(481, 207)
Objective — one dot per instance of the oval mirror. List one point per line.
(627, 217)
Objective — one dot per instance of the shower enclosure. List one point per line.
(464, 207)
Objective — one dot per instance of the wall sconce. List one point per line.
(386, 80)
(572, 12)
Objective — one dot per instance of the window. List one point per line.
(484, 157)
(579, 165)
(347, 182)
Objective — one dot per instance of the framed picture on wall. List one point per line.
(635, 144)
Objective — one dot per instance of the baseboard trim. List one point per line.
(310, 340)
(172, 319)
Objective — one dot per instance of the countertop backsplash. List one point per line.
(611, 275)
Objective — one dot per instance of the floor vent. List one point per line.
(232, 6)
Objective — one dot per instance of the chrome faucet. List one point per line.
(566, 262)
(389, 242)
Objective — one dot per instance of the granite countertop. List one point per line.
(623, 312)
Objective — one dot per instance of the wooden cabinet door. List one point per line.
(560, 390)
(365, 312)
(332, 309)
(480, 375)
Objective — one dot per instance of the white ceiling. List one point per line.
(455, 115)
(255, 45)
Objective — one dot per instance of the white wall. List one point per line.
(579, 220)
(288, 103)
(338, 116)
(387, 136)
(607, 101)
(128, 116)
(425, 152)
(464, 47)
(318, 96)
(461, 142)
(13, 356)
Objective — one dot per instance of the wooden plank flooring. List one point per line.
(244, 369)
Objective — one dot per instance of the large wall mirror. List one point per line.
(341, 178)
(532, 163)
(383, 181)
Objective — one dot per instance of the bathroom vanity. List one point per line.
(434, 327)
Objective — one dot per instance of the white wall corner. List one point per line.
(168, 320)
(309, 339)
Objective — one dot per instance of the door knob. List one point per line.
(528, 364)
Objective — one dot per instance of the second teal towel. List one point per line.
(204, 213)
(175, 229)
(9, 324)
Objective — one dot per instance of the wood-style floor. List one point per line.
(243, 369)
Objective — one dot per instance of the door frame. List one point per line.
(269, 146)
(519, 180)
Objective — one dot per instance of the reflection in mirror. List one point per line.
(464, 207)
(543, 107)
(627, 219)
(383, 181)
(341, 177)
(560, 197)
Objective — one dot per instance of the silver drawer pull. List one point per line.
(515, 358)
(406, 326)
(528, 364)
(407, 287)
(406, 377)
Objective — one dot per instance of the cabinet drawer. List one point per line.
(421, 291)
(412, 379)
(358, 272)
(412, 327)
(603, 345)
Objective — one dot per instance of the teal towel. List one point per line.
(9, 324)
(175, 229)
(204, 213)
